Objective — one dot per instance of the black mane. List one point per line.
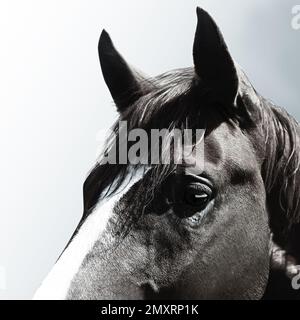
(281, 169)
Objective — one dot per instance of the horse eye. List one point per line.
(197, 195)
(194, 199)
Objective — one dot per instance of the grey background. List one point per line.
(53, 101)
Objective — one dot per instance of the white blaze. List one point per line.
(57, 283)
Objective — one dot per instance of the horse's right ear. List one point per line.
(123, 82)
(213, 63)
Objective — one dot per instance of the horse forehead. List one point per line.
(227, 147)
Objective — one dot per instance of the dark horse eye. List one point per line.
(196, 199)
(190, 196)
(197, 195)
(197, 202)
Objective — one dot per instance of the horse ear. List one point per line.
(213, 63)
(123, 82)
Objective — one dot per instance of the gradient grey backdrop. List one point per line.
(53, 101)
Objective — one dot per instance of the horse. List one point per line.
(230, 230)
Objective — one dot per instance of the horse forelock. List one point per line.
(169, 105)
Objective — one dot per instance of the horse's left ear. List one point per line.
(124, 83)
(213, 63)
